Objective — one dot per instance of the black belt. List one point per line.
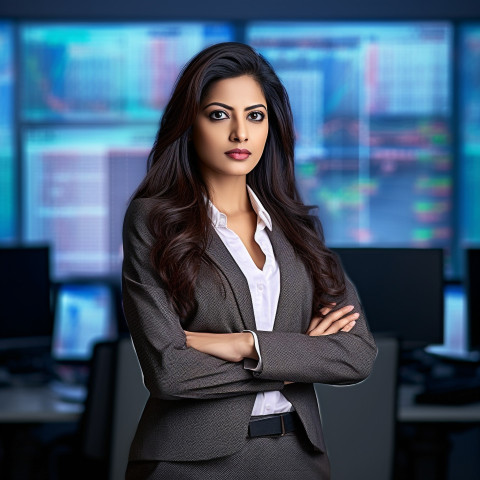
(274, 425)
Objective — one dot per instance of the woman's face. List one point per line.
(231, 128)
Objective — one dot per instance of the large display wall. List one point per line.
(388, 138)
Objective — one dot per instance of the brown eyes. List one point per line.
(218, 115)
(254, 116)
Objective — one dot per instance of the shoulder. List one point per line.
(139, 210)
(140, 207)
(137, 217)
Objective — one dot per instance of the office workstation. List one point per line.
(386, 115)
(53, 391)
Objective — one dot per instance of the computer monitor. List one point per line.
(372, 108)
(472, 285)
(469, 132)
(106, 72)
(83, 177)
(25, 313)
(455, 319)
(84, 315)
(90, 96)
(401, 290)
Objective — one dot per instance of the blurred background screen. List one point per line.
(372, 107)
(91, 97)
(386, 116)
(84, 315)
(7, 153)
(469, 158)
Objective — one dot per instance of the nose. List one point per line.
(239, 132)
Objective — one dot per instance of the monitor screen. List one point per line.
(455, 323)
(76, 183)
(84, 315)
(472, 283)
(107, 72)
(7, 136)
(92, 95)
(401, 290)
(372, 107)
(469, 113)
(25, 313)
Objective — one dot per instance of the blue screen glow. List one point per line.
(372, 106)
(469, 93)
(7, 151)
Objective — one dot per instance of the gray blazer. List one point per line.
(199, 405)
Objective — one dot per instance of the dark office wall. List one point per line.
(240, 10)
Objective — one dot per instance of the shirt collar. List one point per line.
(262, 214)
(219, 219)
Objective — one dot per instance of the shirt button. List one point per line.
(268, 406)
(260, 287)
(222, 222)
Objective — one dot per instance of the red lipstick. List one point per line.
(238, 153)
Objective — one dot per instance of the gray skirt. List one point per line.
(288, 457)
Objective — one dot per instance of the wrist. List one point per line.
(248, 346)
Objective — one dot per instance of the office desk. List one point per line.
(39, 404)
(410, 412)
(425, 437)
(25, 412)
(20, 407)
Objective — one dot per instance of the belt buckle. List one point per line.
(282, 423)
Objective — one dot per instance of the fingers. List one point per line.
(326, 310)
(335, 321)
(349, 326)
(323, 318)
(314, 322)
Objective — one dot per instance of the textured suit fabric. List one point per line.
(263, 458)
(199, 405)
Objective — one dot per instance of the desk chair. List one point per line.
(359, 420)
(129, 399)
(115, 400)
(84, 453)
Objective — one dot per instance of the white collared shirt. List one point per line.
(264, 286)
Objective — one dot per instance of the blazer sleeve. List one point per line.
(342, 358)
(170, 369)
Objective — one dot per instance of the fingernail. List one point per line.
(356, 315)
(350, 308)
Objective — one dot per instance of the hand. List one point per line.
(232, 347)
(332, 321)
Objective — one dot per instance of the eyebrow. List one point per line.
(228, 107)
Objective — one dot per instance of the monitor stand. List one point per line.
(447, 352)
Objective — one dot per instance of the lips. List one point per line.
(238, 153)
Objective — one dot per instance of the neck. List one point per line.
(230, 195)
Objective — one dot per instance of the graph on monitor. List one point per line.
(371, 105)
(92, 96)
(107, 71)
(77, 184)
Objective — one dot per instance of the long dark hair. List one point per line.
(180, 223)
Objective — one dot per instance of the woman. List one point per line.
(234, 303)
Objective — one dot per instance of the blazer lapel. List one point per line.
(288, 263)
(220, 255)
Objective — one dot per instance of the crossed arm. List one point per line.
(178, 364)
(234, 347)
